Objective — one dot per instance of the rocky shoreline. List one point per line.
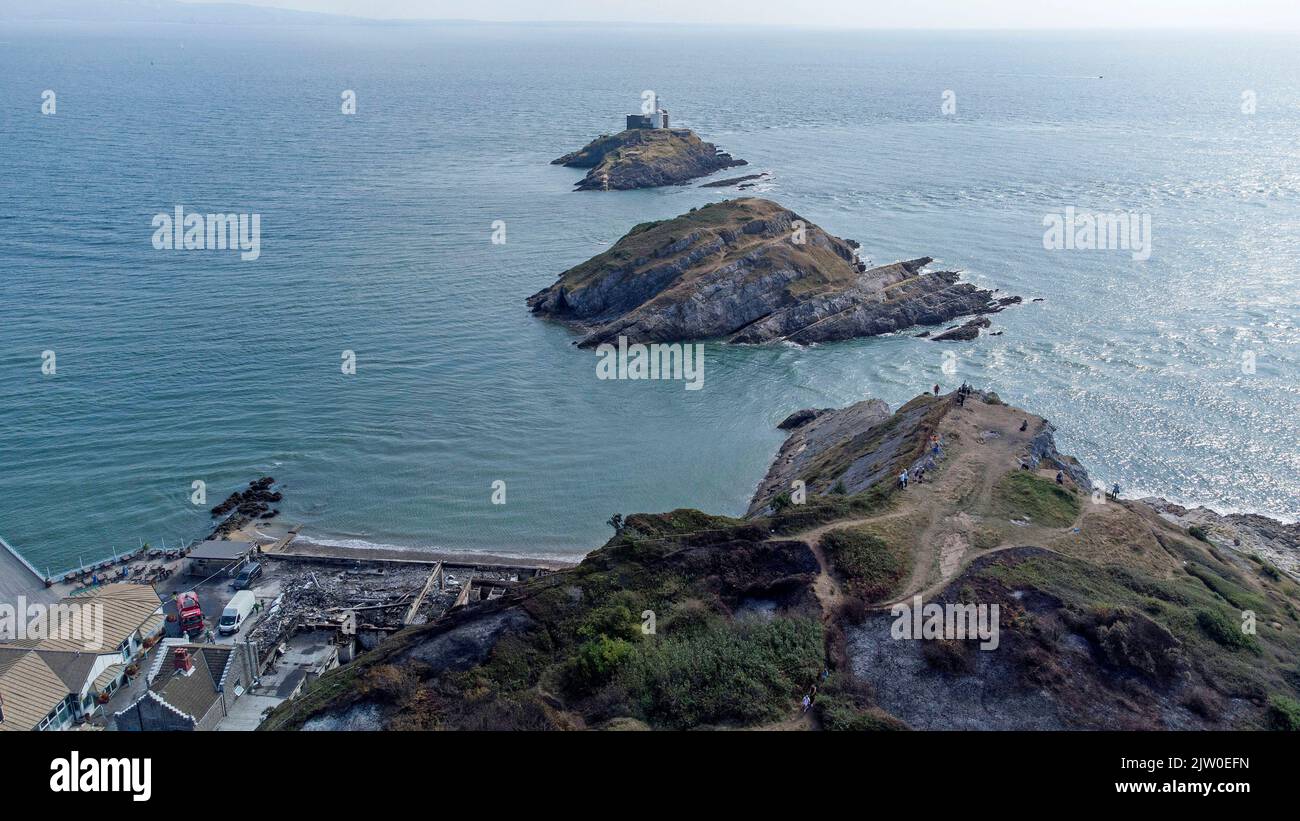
(1115, 614)
(246, 506)
(749, 271)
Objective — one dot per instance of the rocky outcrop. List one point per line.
(1116, 616)
(801, 417)
(736, 181)
(246, 506)
(646, 158)
(749, 271)
(1265, 540)
(964, 332)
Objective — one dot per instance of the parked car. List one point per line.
(244, 580)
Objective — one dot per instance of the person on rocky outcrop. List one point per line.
(1060, 478)
(902, 479)
(1024, 425)
(936, 389)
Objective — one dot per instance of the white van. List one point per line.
(239, 608)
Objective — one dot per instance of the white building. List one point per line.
(49, 683)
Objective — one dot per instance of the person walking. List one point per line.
(902, 479)
(936, 388)
(1060, 478)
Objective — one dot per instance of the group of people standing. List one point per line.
(962, 392)
(917, 473)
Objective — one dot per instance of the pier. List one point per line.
(19, 578)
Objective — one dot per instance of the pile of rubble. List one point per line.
(372, 596)
(319, 595)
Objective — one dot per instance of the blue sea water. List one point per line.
(376, 238)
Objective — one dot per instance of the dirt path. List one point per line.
(979, 449)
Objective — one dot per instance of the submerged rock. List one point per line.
(737, 181)
(964, 332)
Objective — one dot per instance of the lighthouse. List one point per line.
(652, 115)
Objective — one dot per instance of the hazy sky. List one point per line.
(1236, 14)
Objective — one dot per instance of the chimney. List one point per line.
(181, 658)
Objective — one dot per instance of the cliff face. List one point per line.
(1111, 614)
(749, 271)
(645, 158)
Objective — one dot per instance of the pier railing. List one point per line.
(13, 551)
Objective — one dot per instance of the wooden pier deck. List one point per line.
(19, 578)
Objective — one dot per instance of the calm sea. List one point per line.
(376, 238)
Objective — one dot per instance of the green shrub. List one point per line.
(1284, 713)
(1041, 501)
(596, 662)
(1220, 628)
(869, 567)
(1198, 533)
(840, 714)
(742, 672)
(615, 621)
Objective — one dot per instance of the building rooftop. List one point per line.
(219, 549)
(29, 690)
(125, 608)
(191, 694)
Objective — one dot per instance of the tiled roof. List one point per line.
(36, 674)
(193, 694)
(125, 608)
(152, 625)
(103, 679)
(71, 667)
(30, 690)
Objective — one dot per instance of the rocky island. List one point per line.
(749, 271)
(645, 158)
(1105, 613)
(648, 153)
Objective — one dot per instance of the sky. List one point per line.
(926, 14)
